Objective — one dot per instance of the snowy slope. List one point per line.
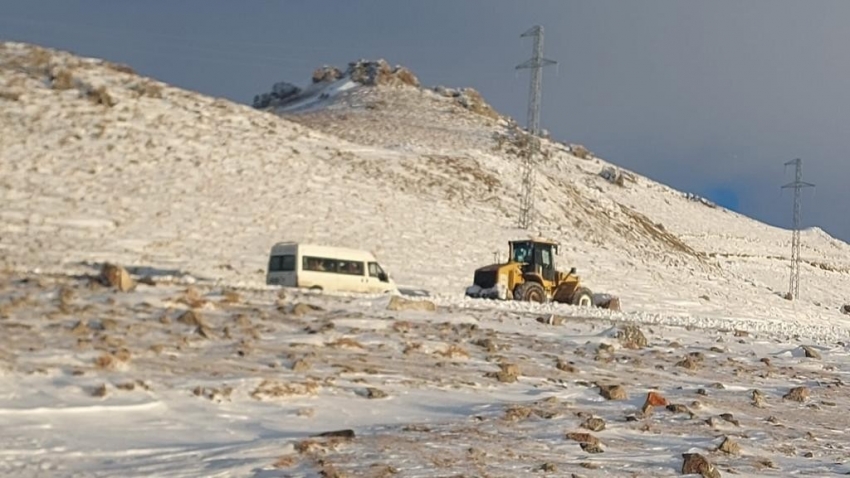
(101, 164)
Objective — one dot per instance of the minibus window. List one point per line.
(284, 263)
(320, 264)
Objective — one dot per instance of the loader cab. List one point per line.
(537, 257)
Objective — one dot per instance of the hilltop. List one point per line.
(102, 164)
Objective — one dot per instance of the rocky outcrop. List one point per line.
(281, 93)
(326, 74)
(468, 98)
(379, 72)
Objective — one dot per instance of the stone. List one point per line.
(347, 433)
(631, 337)
(300, 365)
(551, 320)
(811, 352)
(116, 276)
(508, 373)
(846, 309)
(399, 304)
(730, 418)
(688, 363)
(729, 446)
(588, 442)
(594, 424)
(696, 464)
(326, 74)
(758, 399)
(565, 366)
(797, 394)
(99, 392)
(301, 309)
(653, 399)
(372, 392)
(191, 317)
(613, 392)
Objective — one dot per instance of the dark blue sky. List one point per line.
(708, 97)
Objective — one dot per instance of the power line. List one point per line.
(797, 185)
(535, 64)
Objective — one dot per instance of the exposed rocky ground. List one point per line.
(403, 390)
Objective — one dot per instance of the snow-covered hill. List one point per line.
(101, 164)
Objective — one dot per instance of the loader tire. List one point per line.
(582, 297)
(530, 292)
(563, 294)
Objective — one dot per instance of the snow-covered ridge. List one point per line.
(100, 164)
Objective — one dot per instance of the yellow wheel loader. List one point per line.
(530, 275)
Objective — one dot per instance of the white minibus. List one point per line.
(318, 267)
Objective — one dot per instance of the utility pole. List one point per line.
(797, 185)
(535, 64)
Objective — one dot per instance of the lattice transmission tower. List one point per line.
(535, 64)
(797, 185)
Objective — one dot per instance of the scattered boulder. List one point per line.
(689, 363)
(487, 344)
(631, 337)
(613, 175)
(653, 399)
(398, 304)
(551, 320)
(797, 394)
(565, 366)
(372, 392)
(205, 332)
(347, 433)
(594, 424)
(191, 317)
(678, 408)
(729, 446)
(605, 301)
(811, 352)
(81, 328)
(588, 442)
(99, 391)
(116, 276)
(696, 464)
(758, 399)
(613, 392)
(730, 418)
(301, 309)
(300, 365)
(580, 151)
(846, 309)
(508, 373)
(699, 199)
